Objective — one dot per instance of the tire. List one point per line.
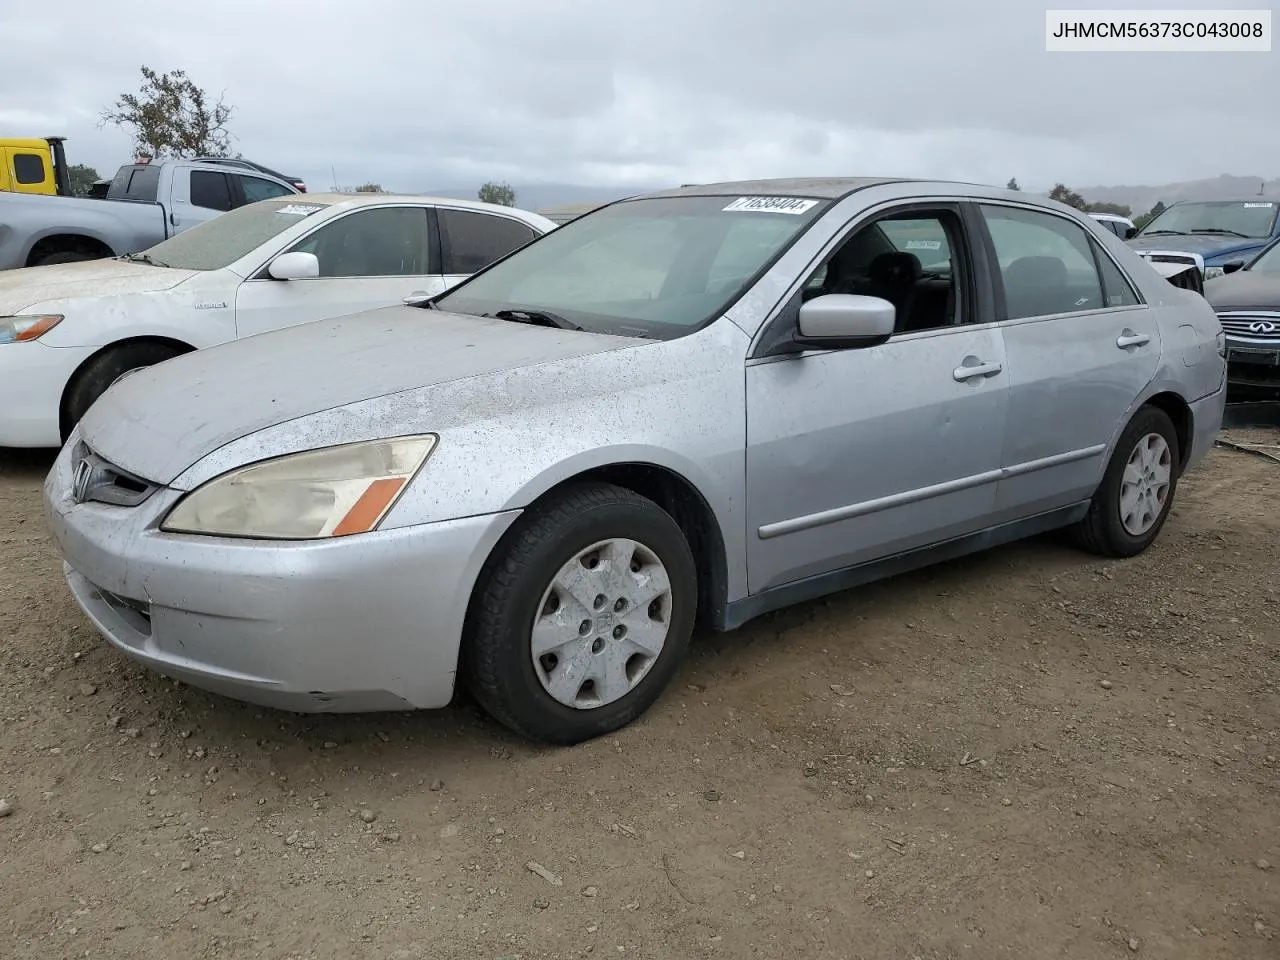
(66, 256)
(1103, 530)
(102, 371)
(519, 586)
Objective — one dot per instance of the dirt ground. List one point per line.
(1025, 754)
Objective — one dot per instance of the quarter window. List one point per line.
(28, 168)
(471, 241)
(210, 190)
(1046, 263)
(387, 242)
(1119, 292)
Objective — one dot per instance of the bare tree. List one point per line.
(370, 188)
(170, 116)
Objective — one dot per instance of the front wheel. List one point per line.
(581, 616)
(1133, 501)
(103, 371)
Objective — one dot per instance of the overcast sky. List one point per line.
(419, 95)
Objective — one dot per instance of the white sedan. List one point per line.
(67, 332)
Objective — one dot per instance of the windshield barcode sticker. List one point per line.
(924, 244)
(299, 209)
(1259, 204)
(792, 205)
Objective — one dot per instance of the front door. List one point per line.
(1081, 348)
(368, 259)
(854, 455)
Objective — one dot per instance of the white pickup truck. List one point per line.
(145, 204)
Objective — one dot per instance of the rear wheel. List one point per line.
(581, 616)
(104, 370)
(1133, 501)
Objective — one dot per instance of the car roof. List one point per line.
(1253, 199)
(826, 187)
(349, 200)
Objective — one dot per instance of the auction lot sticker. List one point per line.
(794, 205)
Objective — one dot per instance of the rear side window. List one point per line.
(471, 241)
(210, 190)
(140, 182)
(28, 168)
(1045, 261)
(257, 188)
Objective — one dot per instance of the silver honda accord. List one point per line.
(690, 407)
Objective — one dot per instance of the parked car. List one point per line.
(68, 332)
(1117, 224)
(700, 404)
(153, 201)
(1217, 231)
(298, 183)
(1247, 300)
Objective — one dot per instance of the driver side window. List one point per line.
(909, 259)
(385, 242)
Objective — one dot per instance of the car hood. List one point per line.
(161, 420)
(1208, 245)
(22, 288)
(1243, 291)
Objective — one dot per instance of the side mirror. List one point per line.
(294, 266)
(1130, 232)
(845, 321)
(1231, 266)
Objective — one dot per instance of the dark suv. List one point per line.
(250, 165)
(1247, 301)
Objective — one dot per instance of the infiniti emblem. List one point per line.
(1263, 326)
(80, 482)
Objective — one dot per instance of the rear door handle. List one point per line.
(966, 372)
(1131, 339)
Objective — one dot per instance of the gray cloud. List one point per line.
(416, 96)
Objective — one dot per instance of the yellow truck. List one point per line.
(34, 165)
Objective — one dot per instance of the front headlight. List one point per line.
(331, 492)
(1211, 272)
(33, 327)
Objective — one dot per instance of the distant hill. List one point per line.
(1142, 199)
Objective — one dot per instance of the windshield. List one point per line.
(657, 268)
(1268, 262)
(1252, 219)
(226, 238)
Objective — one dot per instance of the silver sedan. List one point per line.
(690, 407)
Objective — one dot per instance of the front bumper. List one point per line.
(1251, 364)
(362, 623)
(32, 379)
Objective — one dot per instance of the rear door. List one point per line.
(1081, 347)
(368, 258)
(470, 240)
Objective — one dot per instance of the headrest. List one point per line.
(895, 269)
(1036, 272)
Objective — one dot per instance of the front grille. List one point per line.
(97, 480)
(1257, 326)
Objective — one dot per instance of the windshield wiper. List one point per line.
(1156, 233)
(1230, 233)
(542, 318)
(143, 258)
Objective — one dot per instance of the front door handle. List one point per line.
(1130, 339)
(968, 372)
